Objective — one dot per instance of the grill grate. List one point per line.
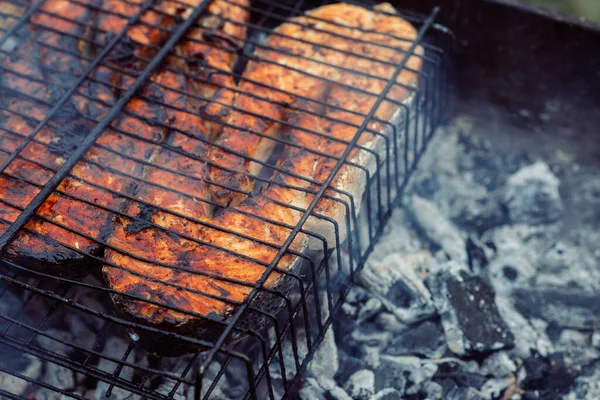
(45, 314)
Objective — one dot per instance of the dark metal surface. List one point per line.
(55, 296)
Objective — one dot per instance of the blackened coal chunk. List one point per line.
(564, 307)
(460, 376)
(548, 377)
(478, 254)
(480, 213)
(390, 375)
(532, 195)
(406, 374)
(361, 384)
(397, 282)
(348, 366)
(425, 339)
(469, 315)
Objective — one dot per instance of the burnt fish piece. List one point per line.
(72, 223)
(182, 270)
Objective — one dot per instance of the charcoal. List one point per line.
(390, 323)
(348, 366)
(548, 376)
(565, 307)
(470, 319)
(589, 201)
(397, 284)
(180, 394)
(499, 365)
(596, 339)
(325, 362)
(361, 385)
(24, 364)
(461, 375)
(532, 195)
(371, 308)
(478, 254)
(333, 391)
(438, 229)
(116, 347)
(479, 212)
(493, 388)
(586, 386)
(55, 341)
(58, 377)
(398, 237)
(219, 391)
(463, 394)
(387, 394)
(390, 374)
(369, 335)
(371, 355)
(563, 264)
(311, 391)
(573, 338)
(529, 336)
(403, 373)
(425, 339)
(512, 268)
(433, 390)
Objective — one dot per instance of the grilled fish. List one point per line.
(185, 271)
(73, 222)
(342, 50)
(175, 187)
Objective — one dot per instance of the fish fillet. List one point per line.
(197, 268)
(50, 243)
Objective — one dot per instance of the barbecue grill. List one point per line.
(266, 364)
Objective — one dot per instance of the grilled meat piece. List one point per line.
(175, 188)
(39, 71)
(187, 272)
(343, 50)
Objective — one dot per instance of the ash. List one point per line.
(485, 284)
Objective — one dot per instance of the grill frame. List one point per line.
(432, 108)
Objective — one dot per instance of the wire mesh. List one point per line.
(105, 122)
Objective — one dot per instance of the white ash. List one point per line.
(14, 384)
(396, 282)
(532, 195)
(473, 214)
(496, 224)
(116, 347)
(57, 377)
(438, 228)
(387, 394)
(361, 384)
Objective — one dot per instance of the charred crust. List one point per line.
(144, 220)
(52, 258)
(207, 329)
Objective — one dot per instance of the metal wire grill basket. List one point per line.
(62, 319)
